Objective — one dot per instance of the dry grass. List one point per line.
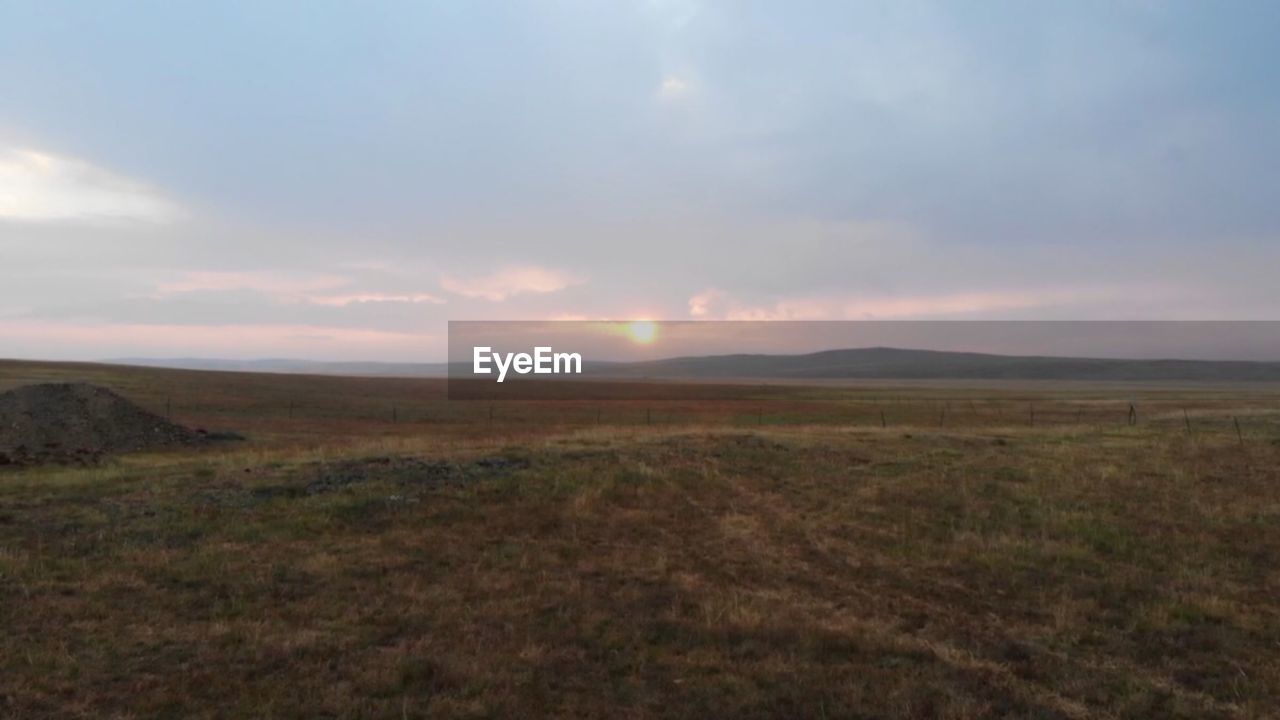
(775, 554)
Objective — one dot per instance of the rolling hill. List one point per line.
(896, 363)
(852, 363)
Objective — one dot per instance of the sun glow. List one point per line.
(642, 331)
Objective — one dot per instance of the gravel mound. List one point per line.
(79, 423)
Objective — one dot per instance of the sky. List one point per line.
(336, 180)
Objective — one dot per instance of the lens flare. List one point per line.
(642, 331)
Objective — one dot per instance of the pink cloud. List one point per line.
(359, 298)
(715, 304)
(701, 305)
(507, 282)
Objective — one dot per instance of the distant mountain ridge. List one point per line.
(905, 364)
(293, 367)
(853, 363)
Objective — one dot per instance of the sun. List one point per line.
(642, 331)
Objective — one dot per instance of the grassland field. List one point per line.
(374, 550)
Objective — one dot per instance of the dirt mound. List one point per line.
(79, 423)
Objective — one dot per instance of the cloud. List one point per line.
(39, 187)
(714, 304)
(286, 286)
(505, 283)
(672, 87)
(359, 298)
(700, 305)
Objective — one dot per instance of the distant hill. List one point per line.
(307, 367)
(854, 363)
(901, 364)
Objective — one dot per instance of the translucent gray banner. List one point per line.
(639, 359)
